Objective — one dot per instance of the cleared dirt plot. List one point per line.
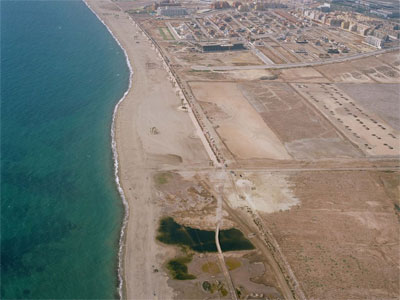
(363, 70)
(272, 55)
(240, 126)
(305, 133)
(290, 57)
(392, 59)
(382, 99)
(231, 58)
(131, 5)
(364, 128)
(343, 72)
(342, 241)
(248, 74)
(302, 51)
(267, 192)
(301, 75)
(377, 70)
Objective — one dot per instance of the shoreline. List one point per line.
(139, 155)
(125, 203)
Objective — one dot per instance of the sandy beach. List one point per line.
(152, 134)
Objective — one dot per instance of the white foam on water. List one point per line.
(116, 166)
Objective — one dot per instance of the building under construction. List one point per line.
(220, 46)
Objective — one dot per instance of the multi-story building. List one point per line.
(345, 25)
(335, 22)
(374, 41)
(169, 11)
(355, 22)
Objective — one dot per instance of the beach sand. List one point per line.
(151, 102)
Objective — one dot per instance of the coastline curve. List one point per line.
(116, 165)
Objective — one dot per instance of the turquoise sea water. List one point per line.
(61, 76)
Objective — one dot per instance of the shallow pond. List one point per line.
(198, 240)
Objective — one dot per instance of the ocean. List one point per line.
(62, 74)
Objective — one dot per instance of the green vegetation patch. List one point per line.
(215, 286)
(232, 263)
(198, 240)
(165, 36)
(223, 291)
(162, 33)
(211, 267)
(170, 34)
(162, 178)
(200, 71)
(178, 268)
(207, 286)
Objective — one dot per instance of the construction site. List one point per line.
(284, 34)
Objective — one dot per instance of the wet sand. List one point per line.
(142, 150)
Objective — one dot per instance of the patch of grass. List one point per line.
(211, 267)
(178, 268)
(223, 291)
(215, 286)
(162, 33)
(170, 34)
(162, 178)
(136, 11)
(238, 292)
(232, 263)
